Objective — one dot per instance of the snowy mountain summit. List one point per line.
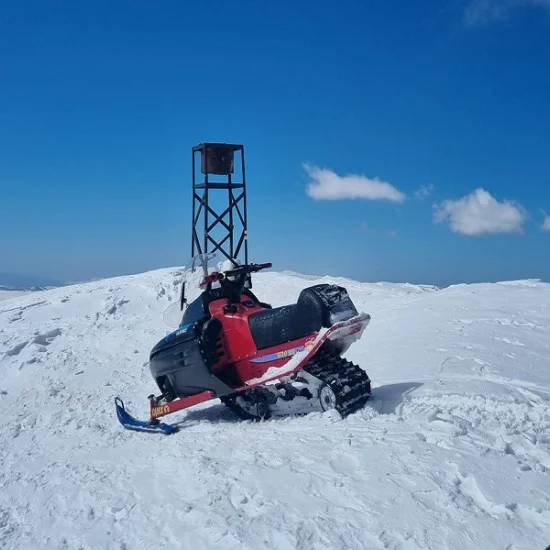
(451, 452)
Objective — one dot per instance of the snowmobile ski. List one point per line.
(131, 423)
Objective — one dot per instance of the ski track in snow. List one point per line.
(451, 452)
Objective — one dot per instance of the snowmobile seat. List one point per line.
(282, 324)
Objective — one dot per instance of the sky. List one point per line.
(384, 141)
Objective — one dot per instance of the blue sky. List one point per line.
(403, 141)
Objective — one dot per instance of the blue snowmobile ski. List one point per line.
(131, 423)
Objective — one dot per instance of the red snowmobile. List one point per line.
(255, 358)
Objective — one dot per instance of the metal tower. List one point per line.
(219, 201)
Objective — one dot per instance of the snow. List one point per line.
(7, 294)
(452, 451)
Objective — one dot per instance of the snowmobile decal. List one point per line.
(278, 355)
(159, 411)
(182, 330)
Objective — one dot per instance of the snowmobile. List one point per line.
(251, 356)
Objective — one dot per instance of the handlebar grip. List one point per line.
(263, 266)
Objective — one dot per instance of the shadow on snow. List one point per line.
(388, 398)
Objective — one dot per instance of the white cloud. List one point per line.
(424, 191)
(479, 12)
(479, 213)
(546, 223)
(327, 185)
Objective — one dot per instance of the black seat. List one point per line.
(282, 324)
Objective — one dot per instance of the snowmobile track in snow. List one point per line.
(350, 384)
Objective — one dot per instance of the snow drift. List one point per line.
(452, 451)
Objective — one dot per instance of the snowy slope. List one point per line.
(453, 451)
(7, 294)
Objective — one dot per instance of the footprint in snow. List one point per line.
(116, 305)
(47, 338)
(16, 350)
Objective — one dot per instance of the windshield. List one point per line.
(200, 266)
(193, 311)
(202, 263)
(188, 307)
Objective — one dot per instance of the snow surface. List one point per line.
(7, 294)
(452, 452)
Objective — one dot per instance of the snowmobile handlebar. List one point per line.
(240, 270)
(249, 268)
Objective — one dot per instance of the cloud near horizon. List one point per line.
(327, 185)
(546, 223)
(479, 12)
(480, 213)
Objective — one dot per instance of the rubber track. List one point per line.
(229, 401)
(350, 383)
(236, 410)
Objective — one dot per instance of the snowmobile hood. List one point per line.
(181, 334)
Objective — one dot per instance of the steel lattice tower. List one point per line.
(220, 201)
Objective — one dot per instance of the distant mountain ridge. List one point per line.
(17, 281)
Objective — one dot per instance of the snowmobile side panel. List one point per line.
(276, 356)
(238, 340)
